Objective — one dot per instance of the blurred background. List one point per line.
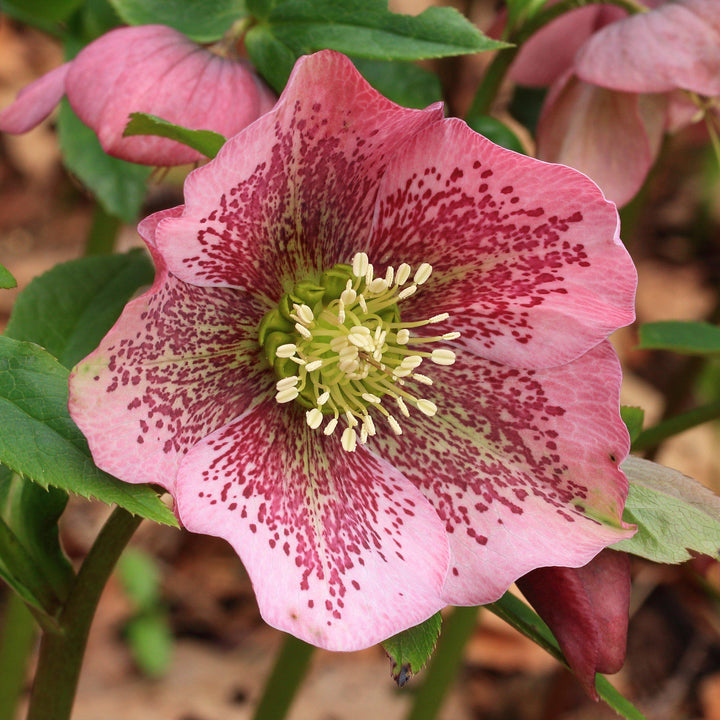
(177, 635)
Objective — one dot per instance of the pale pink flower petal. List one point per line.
(521, 466)
(550, 52)
(151, 69)
(180, 362)
(612, 137)
(294, 193)
(520, 250)
(676, 45)
(342, 550)
(35, 102)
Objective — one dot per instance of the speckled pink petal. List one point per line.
(293, 194)
(550, 52)
(157, 70)
(35, 102)
(342, 550)
(521, 250)
(587, 608)
(180, 362)
(612, 137)
(521, 466)
(676, 45)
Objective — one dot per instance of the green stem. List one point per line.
(442, 670)
(285, 679)
(672, 426)
(61, 654)
(495, 74)
(103, 233)
(16, 642)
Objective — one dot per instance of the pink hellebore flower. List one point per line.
(274, 379)
(587, 609)
(621, 83)
(151, 69)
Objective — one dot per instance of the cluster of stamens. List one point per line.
(341, 350)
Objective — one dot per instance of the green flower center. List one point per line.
(339, 348)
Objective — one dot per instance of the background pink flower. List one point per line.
(505, 460)
(608, 107)
(151, 69)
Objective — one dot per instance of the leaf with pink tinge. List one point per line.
(293, 192)
(35, 102)
(676, 45)
(613, 137)
(587, 609)
(157, 70)
(520, 250)
(521, 466)
(342, 550)
(180, 362)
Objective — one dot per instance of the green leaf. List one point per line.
(524, 619)
(633, 418)
(367, 29)
(404, 83)
(681, 336)
(140, 578)
(272, 58)
(411, 649)
(203, 22)
(40, 12)
(260, 9)
(496, 131)
(206, 142)
(40, 441)
(31, 514)
(676, 515)
(151, 642)
(119, 186)
(7, 280)
(70, 308)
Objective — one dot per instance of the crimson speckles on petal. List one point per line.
(508, 458)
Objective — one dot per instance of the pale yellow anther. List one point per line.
(360, 264)
(314, 418)
(337, 343)
(394, 424)
(304, 313)
(369, 274)
(411, 361)
(302, 330)
(363, 435)
(348, 352)
(402, 336)
(323, 398)
(287, 382)
(348, 296)
(377, 286)
(450, 335)
(403, 407)
(369, 425)
(369, 397)
(341, 311)
(389, 275)
(424, 379)
(443, 357)
(350, 419)
(362, 302)
(402, 274)
(349, 366)
(422, 273)
(427, 407)
(438, 318)
(407, 292)
(314, 365)
(349, 439)
(286, 395)
(330, 427)
(286, 351)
